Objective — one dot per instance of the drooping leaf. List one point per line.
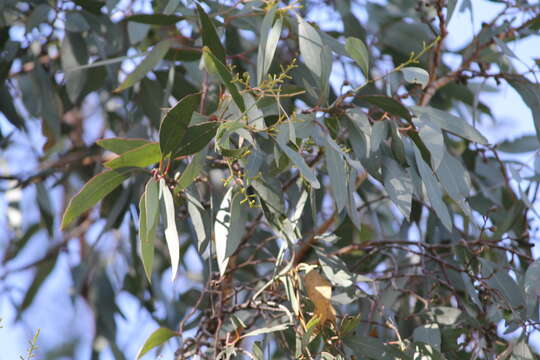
(73, 55)
(358, 51)
(195, 211)
(300, 163)
(432, 137)
(157, 338)
(311, 47)
(191, 171)
(338, 176)
(398, 184)
(226, 77)
(42, 272)
(142, 156)
(196, 138)
(450, 123)
(269, 37)
(149, 63)
(121, 145)
(434, 190)
(171, 232)
(175, 124)
(146, 238)
(210, 36)
(93, 191)
(221, 229)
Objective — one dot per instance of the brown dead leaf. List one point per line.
(319, 291)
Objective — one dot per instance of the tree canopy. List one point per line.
(310, 174)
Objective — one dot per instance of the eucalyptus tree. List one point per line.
(310, 173)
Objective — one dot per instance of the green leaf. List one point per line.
(434, 190)
(270, 33)
(530, 93)
(532, 279)
(432, 137)
(8, 109)
(224, 74)
(92, 192)
(196, 138)
(149, 63)
(453, 177)
(415, 75)
(146, 238)
(175, 124)
(365, 346)
(191, 171)
(142, 157)
(450, 123)
(155, 19)
(428, 334)
(398, 184)
(75, 22)
(171, 232)
(379, 132)
(210, 35)
(358, 51)
(388, 104)
(121, 145)
(157, 338)
(152, 203)
(39, 15)
(499, 279)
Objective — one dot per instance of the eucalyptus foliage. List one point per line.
(316, 182)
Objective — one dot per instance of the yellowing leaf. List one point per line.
(319, 291)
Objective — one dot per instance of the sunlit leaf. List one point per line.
(157, 338)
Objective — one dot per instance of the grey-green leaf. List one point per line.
(415, 75)
(432, 137)
(270, 32)
(149, 63)
(358, 51)
(398, 184)
(142, 156)
(450, 123)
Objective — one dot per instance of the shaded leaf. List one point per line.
(121, 145)
(428, 334)
(175, 124)
(155, 19)
(398, 184)
(210, 36)
(388, 104)
(93, 191)
(530, 93)
(196, 138)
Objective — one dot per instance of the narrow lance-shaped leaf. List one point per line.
(121, 145)
(210, 35)
(149, 63)
(196, 138)
(146, 237)
(398, 185)
(221, 230)
(358, 51)
(142, 156)
(432, 137)
(214, 65)
(93, 191)
(157, 338)
(175, 123)
(270, 32)
(171, 232)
